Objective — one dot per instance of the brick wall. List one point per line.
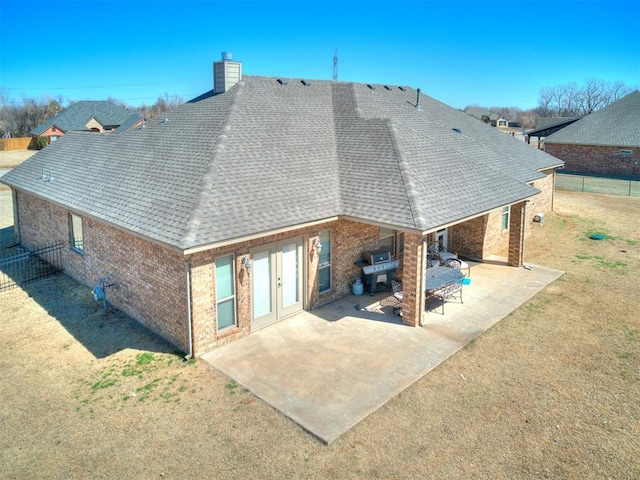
(516, 225)
(348, 241)
(411, 281)
(483, 236)
(598, 160)
(149, 281)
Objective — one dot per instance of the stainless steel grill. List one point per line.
(378, 269)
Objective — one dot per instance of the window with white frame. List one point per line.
(225, 292)
(505, 217)
(76, 234)
(324, 269)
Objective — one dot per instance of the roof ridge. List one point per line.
(208, 179)
(413, 195)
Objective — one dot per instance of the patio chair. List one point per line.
(396, 287)
(450, 290)
(454, 263)
(459, 265)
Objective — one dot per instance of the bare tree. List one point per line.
(571, 100)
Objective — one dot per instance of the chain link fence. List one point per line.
(593, 184)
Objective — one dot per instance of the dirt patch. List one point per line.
(13, 158)
(549, 392)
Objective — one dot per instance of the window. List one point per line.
(505, 218)
(391, 241)
(324, 270)
(386, 240)
(77, 237)
(225, 292)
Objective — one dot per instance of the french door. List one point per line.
(276, 282)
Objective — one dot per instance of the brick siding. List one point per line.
(599, 160)
(148, 281)
(348, 240)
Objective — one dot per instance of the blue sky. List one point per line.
(488, 53)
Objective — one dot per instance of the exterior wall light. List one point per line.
(246, 263)
(318, 246)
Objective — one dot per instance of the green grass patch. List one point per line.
(231, 387)
(147, 376)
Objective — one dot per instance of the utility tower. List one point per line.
(335, 65)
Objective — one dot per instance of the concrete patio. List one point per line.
(329, 368)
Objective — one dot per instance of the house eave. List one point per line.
(254, 236)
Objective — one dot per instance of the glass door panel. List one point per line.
(262, 282)
(289, 279)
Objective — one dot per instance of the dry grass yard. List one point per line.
(552, 391)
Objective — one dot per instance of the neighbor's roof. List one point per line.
(266, 156)
(617, 125)
(548, 125)
(77, 115)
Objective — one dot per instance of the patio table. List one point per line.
(438, 277)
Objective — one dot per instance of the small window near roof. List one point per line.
(76, 233)
(626, 152)
(505, 217)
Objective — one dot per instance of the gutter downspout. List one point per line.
(524, 234)
(422, 281)
(187, 272)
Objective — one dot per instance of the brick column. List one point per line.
(411, 284)
(516, 228)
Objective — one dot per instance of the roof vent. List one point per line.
(402, 89)
(457, 130)
(387, 87)
(282, 81)
(306, 83)
(372, 87)
(418, 99)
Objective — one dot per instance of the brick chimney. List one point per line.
(226, 73)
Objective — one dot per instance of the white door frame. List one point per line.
(277, 281)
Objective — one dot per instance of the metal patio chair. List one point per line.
(398, 295)
(450, 290)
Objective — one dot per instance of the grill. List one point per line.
(378, 269)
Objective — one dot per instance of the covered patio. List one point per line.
(329, 368)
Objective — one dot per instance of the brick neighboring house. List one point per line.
(88, 115)
(606, 142)
(547, 126)
(207, 221)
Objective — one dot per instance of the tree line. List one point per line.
(566, 100)
(17, 119)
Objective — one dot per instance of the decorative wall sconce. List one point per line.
(246, 263)
(317, 245)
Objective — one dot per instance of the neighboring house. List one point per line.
(94, 116)
(508, 125)
(606, 142)
(487, 116)
(548, 125)
(207, 223)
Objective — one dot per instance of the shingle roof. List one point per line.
(267, 156)
(617, 124)
(77, 115)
